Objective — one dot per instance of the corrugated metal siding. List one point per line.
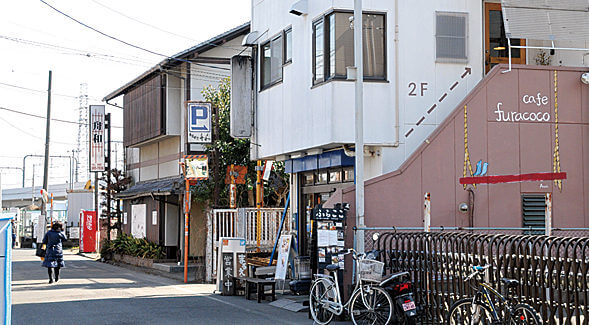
(144, 111)
(547, 20)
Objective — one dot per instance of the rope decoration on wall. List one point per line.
(466, 153)
(556, 154)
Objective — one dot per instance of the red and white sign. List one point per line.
(88, 229)
(97, 139)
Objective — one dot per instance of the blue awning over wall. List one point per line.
(313, 162)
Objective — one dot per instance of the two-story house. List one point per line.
(422, 59)
(155, 140)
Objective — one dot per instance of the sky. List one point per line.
(34, 38)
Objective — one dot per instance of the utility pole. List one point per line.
(359, 112)
(46, 162)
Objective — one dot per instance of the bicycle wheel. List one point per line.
(525, 314)
(376, 307)
(321, 291)
(463, 312)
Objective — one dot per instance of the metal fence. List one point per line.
(553, 270)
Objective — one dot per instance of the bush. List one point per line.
(128, 245)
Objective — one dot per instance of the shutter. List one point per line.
(534, 212)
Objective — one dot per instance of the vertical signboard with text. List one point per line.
(198, 122)
(97, 139)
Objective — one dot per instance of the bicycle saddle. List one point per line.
(510, 283)
(332, 267)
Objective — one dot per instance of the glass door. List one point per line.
(495, 41)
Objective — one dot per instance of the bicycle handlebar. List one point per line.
(476, 270)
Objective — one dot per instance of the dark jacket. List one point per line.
(54, 251)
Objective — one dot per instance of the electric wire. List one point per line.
(125, 42)
(107, 57)
(33, 135)
(43, 117)
(161, 29)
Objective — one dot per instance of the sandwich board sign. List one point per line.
(230, 262)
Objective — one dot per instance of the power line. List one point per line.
(43, 117)
(161, 29)
(106, 57)
(125, 42)
(32, 135)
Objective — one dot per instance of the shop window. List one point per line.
(272, 62)
(335, 176)
(333, 46)
(451, 35)
(308, 179)
(287, 45)
(349, 175)
(321, 177)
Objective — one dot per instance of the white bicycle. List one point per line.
(368, 304)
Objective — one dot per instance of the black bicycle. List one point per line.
(480, 309)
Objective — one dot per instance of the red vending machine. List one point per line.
(88, 230)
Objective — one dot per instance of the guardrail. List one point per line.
(553, 271)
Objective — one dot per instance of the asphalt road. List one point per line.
(91, 292)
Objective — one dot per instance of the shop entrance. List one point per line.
(496, 47)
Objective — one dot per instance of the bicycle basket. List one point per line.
(370, 270)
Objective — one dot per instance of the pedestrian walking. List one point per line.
(54, 253)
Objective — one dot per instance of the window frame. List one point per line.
(269, 41)
(326, 34)
(285, 59)
(465, 15)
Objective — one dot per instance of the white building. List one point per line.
(421, 58)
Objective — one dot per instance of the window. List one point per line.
(333, 46)
(321, 177)
(451, 33)
(318, 51)
(308, 179)
(287, 45)
(271, 62)
(349, 174)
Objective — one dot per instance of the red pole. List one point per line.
(186, 216)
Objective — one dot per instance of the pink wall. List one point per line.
(509, 148)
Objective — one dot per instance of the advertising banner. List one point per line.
(89, 228)
(97, 138)
(198, 122)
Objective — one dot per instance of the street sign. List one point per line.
(198, 122)
(240, 173)
(196, 167)
(97, 139)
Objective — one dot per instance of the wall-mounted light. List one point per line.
(299, 8)
(585, 78)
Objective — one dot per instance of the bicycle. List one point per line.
(480, 309)
(368, 304)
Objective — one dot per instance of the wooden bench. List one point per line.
(260, 285)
